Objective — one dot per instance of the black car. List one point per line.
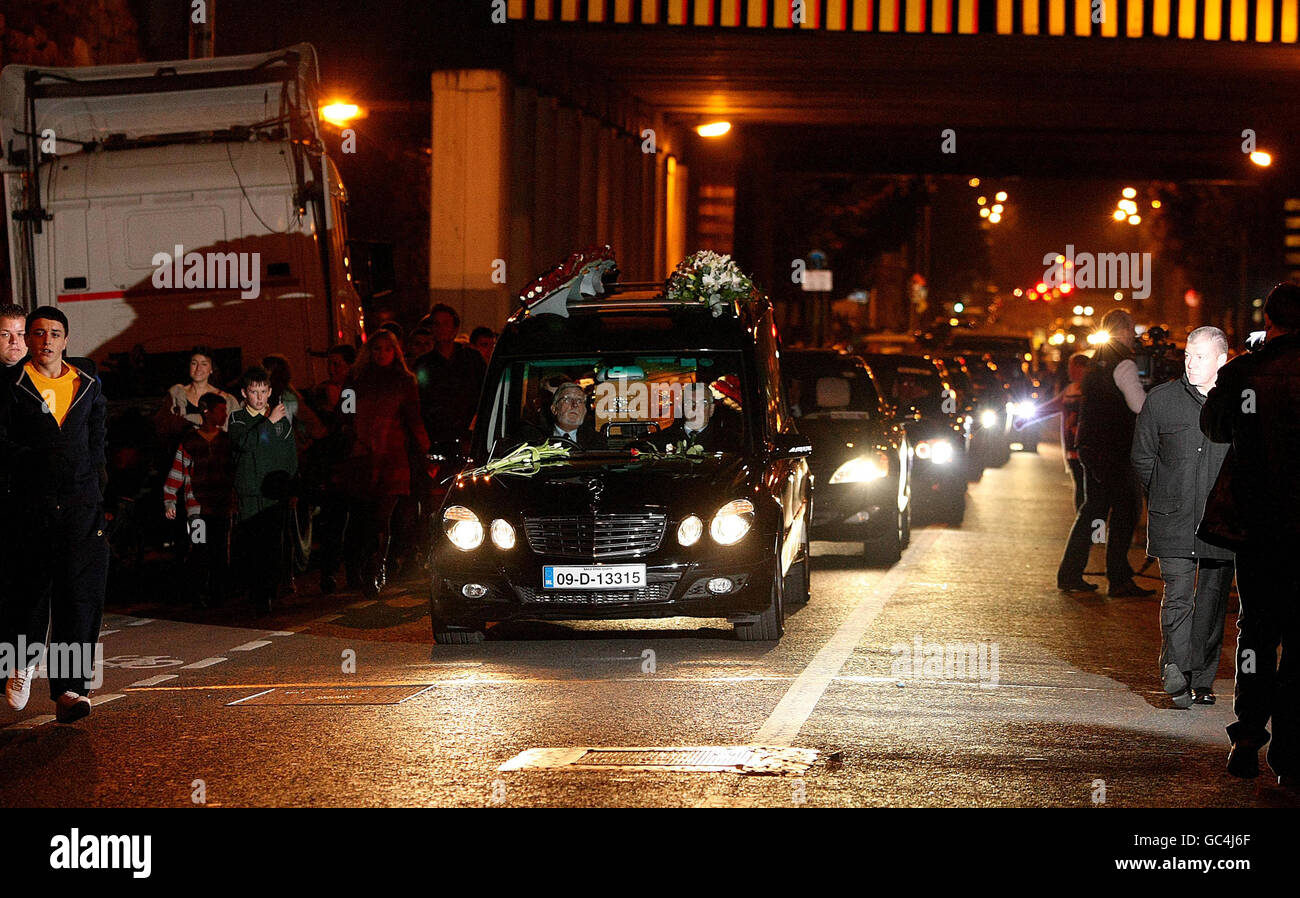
(861, 461)
(641, 517)
(993, 414)
(936, 427)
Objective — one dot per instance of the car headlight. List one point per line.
(1026, 409)
(988, 418)
(463, 528)
(938, 451)
(732, 522)
(862, 469)
(690, 530)
(503, 535)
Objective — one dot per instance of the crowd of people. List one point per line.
(352, 448)
(1212, 452)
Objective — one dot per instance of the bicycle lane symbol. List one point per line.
(141, 662)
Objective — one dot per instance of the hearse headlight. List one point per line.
(732, 522)
(463, 528)
(862, 469)
(503, 535)
(690, 530)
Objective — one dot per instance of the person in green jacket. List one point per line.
(266, 460)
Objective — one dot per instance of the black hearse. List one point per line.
(637, 518)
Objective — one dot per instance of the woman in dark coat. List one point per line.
(385, 427)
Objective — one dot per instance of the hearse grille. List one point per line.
(595, 536)
(654, 592)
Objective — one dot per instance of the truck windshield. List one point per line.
(625, 400)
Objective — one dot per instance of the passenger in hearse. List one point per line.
(702, 424)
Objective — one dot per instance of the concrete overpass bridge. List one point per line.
(584, 131)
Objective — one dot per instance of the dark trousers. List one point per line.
(1191, 616)
(1076, 474)
(207, 563)
(1109, 512)
(369, 523)
(331, 524)
(259, 549)
(62, 556)
(1268, 583)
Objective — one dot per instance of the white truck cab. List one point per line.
(177, 204)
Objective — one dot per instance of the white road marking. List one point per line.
(103, 633)
(249, 646)
(365, 604)
(282, 633)
(154, 681)
(105, 699)
(31, 723)
(806, 691)
(206, 662)
(140, 623)
(255, 695)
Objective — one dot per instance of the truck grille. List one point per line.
(595, 536)
(654, 592)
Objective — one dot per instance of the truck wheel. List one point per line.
(770, 624)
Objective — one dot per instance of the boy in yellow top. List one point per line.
(52, 430)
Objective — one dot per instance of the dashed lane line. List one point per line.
(249, 646)
(803, 695)
(206, 662)
(154, 681)
(140, 623)
(32, 723)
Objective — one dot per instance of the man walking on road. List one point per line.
(1112, 398)
(1177, 466)
(52, 431)
(1256, 407)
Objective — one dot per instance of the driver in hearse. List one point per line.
(569, 420)
(698, 426)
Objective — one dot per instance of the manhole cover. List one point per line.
(333, 695)
(752, 759)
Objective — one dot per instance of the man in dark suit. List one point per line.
(1255, 405)
(569, 421)
(698, 425)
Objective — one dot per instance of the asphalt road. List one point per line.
(1045, 699)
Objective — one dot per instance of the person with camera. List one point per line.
(1255, 507)
(1108, 410)
(1177, 466)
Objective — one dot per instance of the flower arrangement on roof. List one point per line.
(707, 277)
(581, 274)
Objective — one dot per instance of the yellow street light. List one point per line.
(995, 217)
(1135, 219)
(997, 207)
(1129, 193)
(984, 213)
(1155, 204)
(1260, 158)
(713, 129)
(1118, 215)
(982, 200)
(1001, 196)
(974, 182)
(340, 114)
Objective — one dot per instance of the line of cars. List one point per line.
(625, 500)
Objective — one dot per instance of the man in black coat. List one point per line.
(450, 378)
(1112, 398)
(1177, 466)
(1256, 407)
(700, 425)
(52, 434)
(569, 421)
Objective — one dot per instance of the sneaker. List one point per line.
(71, 707)
(19, 688)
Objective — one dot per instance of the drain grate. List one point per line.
(332, 695)
(750, 759)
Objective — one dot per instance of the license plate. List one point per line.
(593, 576)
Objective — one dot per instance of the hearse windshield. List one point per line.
(627, 400)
